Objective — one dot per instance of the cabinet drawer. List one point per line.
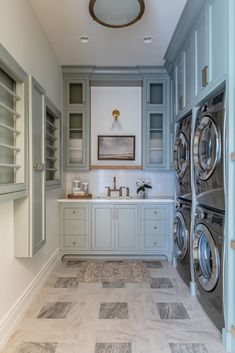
(155, 213)
(75, 227)
(76, 213)
(80, 242)
(154, 241)
(152, 227)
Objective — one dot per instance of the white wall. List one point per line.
(22, 36)
(103, 101)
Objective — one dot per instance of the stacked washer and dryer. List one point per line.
(205, 247)
(208, 237)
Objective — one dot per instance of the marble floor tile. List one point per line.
(172, 311)
(58, 310)
(66, 282)
(36, 347)
(113, 285)
(188, 348)
(154, 264)
(113, 348)
(161, 283)
(73, 263)
(113, 311)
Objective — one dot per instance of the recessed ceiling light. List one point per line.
(148, 39)
(84, 39)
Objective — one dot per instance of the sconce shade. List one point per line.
(116, 13)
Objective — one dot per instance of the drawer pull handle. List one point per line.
(155, 227)
(74, 227)
(74, 212)
(74, 242)
(155, 243)
(155, 212)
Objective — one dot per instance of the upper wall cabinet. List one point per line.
(76, 93)
(13, 128)
(156, 95)
(77, 122)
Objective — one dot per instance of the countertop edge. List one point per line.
(150, 200)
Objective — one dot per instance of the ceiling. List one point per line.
(64, 21)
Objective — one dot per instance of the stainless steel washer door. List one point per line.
(181, 236)
(181, 155)
(206, 148)
(206, 258)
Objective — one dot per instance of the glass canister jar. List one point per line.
(76, 187)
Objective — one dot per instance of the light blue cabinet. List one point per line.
(188, 72)
(180, 88)
(155, 139)
(156, 92)
(76, 93)
(115, 227)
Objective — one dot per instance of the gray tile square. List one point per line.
(37, 347)
(73, 263)
(161, 283)
(188, 348)
(66, 282)
(113, 311)
(114, 284)
(113, 348)
(153, 264)
(174, 311)
(57, 310)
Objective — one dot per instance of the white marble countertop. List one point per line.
(132, 199)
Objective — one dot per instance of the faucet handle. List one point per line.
(120, 190)
(109, 191)
(127, 191)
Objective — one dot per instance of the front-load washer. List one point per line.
(182, 157)
(208, 152)
(182, 224)
(208, 257)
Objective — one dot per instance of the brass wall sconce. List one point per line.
(116, 124)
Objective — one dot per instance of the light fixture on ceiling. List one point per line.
(116, 13)
(84, 39)
(148, 39)
(116, 124)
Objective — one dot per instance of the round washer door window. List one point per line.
(181, 155)
(206, 149)
(206, 258)
(181, 237)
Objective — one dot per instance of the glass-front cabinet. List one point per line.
(155, 146)
(77, 125)
(156, 93)
(77, 136)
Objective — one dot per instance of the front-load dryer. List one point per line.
(182, 157)
(208, 152)
(182, 224)
(208, 257)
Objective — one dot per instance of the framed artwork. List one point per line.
(119, 148)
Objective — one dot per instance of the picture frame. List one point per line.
(116, 147)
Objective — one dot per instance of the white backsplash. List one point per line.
(162, 182)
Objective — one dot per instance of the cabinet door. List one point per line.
(188, 72)
(155, 153)
(103, 227)
(76, 93)
(180, 83)
(217, 39)
(201, 53)
(77, 139)
(156, 93)
(126, 227)
(37, 151)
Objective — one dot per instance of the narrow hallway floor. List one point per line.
(115, 307)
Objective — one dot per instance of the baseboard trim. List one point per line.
(11, 320)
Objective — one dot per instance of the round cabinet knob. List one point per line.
(155, 212)
(74, 242)
(74, 212)
(155, 243)
(74, 227)
(155, 227)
